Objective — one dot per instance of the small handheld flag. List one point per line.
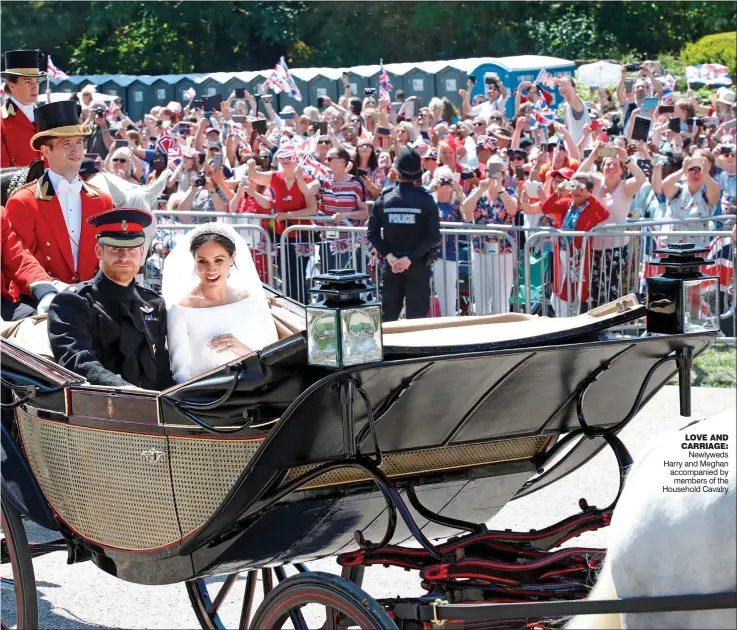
(280, 80)
(385, 85)
(54, 72)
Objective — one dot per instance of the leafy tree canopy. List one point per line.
(178, 37)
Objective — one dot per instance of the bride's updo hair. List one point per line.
(199, 240)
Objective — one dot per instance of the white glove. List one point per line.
(43, 304)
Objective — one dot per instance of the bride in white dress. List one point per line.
(217, 307)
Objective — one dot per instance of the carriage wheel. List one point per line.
(21, 589)
(320, 600)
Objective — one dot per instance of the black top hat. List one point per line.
(24, 63)
(121, 227)
(58, 119)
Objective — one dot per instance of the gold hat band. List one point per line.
(24, 71)
(59, 132)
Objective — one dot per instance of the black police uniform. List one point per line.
(410, 221)
(111, 334)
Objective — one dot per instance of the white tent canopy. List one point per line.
(602, 74)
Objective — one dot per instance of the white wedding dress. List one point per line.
(191, 329)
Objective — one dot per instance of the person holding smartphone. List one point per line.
(492, 265)
(368, 170)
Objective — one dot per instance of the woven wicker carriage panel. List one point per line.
(203, 472)
(431, 460)
(104, 484)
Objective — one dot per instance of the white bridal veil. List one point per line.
(179, 277)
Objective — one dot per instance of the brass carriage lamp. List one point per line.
(343, 327)
(676, 300)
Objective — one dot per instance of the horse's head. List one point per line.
(128, 195)
(14, 177)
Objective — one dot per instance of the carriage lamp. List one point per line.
(343, 327)
(677, 300)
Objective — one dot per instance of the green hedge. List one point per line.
(718, 48)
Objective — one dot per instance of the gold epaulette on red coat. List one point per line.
(9, 109)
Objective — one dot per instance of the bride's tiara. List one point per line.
(214, 228)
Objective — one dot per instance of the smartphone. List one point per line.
(321, 127)
(641, 128)
(369, 91)
(606, 152)
(226, 129)
(666, 109)
(519, 172)
(628, 83)
(201, 157)
(184, 128)
(472, 78)
(710, 121)
(586, 153)
(425, 135)
(92, 156)
(286, 115)
(197, 103)
(383, 131)
(240, 92)
(362, 172)
(239, 118)
(260, 125)
(660, 160)
(212, 103)
(320, 102)
(409, 108)
(266, 98)
(646, 165)
(674, 124)
(633, 67)
(533, 189)
(121, 144)
(217, 161)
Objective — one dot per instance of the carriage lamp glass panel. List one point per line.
(700, 304)
(323, 345)
(361, 335)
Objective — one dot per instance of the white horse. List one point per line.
(673, 543)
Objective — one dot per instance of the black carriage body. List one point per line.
(157, 497)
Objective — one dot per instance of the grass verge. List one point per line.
(717, 367)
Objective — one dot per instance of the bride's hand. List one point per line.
(228, 343)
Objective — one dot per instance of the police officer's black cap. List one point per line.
(24, 63)
(409, 164)
(121, 227)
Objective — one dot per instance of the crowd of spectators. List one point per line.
(640, 151)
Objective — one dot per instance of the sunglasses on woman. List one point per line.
(123, 160)
(324, 142)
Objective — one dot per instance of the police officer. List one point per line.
(109, 329)
(410, 221)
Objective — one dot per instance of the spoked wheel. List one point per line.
(19, 603)
(216, 601)
(320, 600)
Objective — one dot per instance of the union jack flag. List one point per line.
(545, 78)
(164, 143)
(385, 84)
(53, 71)
(311, 166)
(280, 80)
(720, 251)
(542, 115)
(111, 108)
(175, 156)
(708, 74)
(669, 84)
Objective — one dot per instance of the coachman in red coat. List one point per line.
(17, 124)
(52, 224)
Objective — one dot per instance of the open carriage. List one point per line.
(271, 461)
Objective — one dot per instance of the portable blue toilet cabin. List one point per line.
(450, 77)
(162, 91)
(357, 82)
(369, 75)
(210, 85)
(235, 81)
(416, 79)
(140, 98)
(182, 83)
(513, 70)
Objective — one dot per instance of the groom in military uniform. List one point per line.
(109, 329)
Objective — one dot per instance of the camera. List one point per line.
(100, 112)
(200, 181)
(569, 185)
(633, 67)
(369, 91)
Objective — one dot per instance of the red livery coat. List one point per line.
(16, 132)
(35, 213)
(19, 268)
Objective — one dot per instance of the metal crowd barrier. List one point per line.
(473, 277)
